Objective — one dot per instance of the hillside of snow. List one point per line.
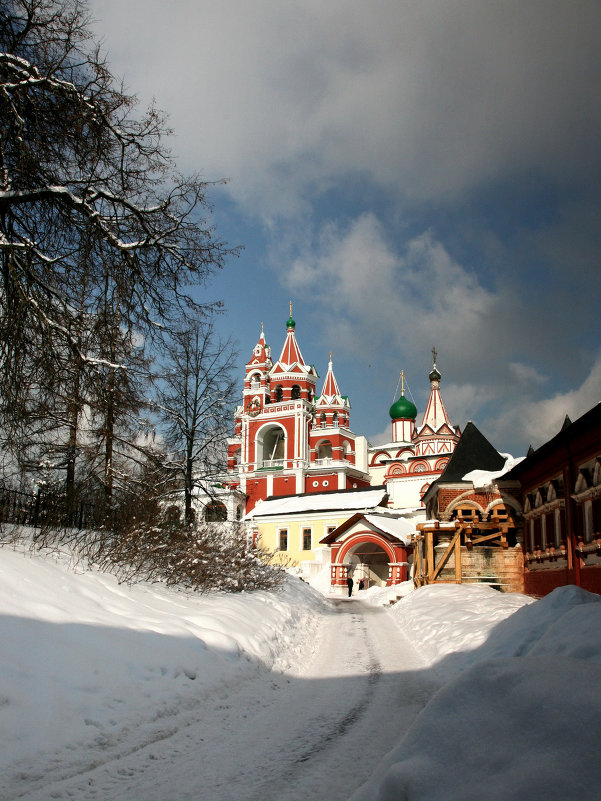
(89, 665)
(83, 655)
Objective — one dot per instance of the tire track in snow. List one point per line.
(370, 672)
(339, 728)
(277, 735)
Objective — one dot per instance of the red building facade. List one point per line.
(561, 498)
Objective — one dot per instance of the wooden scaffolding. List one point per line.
(427, 569)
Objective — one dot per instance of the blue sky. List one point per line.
(411, 174)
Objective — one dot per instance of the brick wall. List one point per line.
(500, 567)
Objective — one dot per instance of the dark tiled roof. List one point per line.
(473, 452)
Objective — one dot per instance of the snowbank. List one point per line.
(88, 664)
(449, 622)
(519, 714)
(82, 654)
(380, 596)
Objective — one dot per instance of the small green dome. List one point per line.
(403, 409)
(290, 323)
(434, 375)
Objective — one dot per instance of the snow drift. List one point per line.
(519, 714)
(84, 656)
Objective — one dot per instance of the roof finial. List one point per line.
(402, 382)
(330, 355)
(290, 324)
(434, 374)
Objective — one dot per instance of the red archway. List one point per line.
(395, 551)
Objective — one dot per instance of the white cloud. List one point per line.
(377, 302)
(419, 294)
(536, 421)
(525, 374)
(468, 400)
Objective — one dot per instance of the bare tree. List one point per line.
(89, 196)
(195, 397)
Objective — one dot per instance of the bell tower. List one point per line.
(286, 441)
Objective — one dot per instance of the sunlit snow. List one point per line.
(501, 699)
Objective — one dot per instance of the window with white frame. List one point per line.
(306, 539)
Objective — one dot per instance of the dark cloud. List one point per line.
(430, 99)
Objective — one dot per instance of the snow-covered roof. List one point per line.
(438, 523)
(319, 502)
(397, 526)
(481, 479)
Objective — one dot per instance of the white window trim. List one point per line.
(302, 538)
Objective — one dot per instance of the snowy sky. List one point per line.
(412, 173)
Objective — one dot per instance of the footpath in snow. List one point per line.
(123, 694)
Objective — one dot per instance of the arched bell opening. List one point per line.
(324, 450)
(271, 446)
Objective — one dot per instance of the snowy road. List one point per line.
(314, 730)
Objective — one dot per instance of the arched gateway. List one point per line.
(375, 548)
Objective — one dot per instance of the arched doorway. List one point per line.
(370, 562)
(379, 558)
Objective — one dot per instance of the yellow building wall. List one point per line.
(295, 553)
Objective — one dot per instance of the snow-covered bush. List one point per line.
(199, 557)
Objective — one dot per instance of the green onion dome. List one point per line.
(403, 409)
(434, 375)
(290, 323)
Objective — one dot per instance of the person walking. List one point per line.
(349, 584)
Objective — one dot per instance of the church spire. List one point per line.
(332, 408)
(291, 353)
(330, 385)
(261, 352)
(436, 414)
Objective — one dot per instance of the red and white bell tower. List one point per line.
(286, 441)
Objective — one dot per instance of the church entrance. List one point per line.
(369, 562)
(379, 559)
